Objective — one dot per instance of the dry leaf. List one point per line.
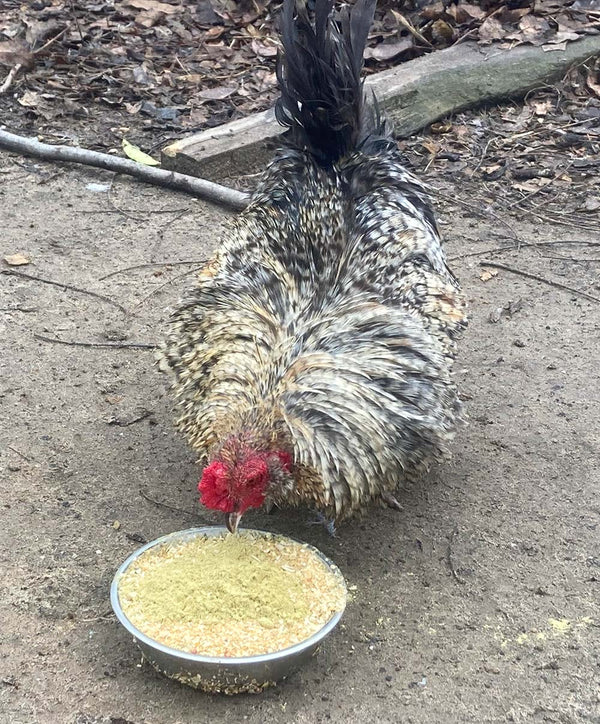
(441, 127)
(488, 274)
(265, 51)
(215, 32)
(542, 108)
(387, 51)
(491, 29)
(431, 146)
(17, 259)
(218, 93)
(592, 85)
(136, 154)
(153, 6)
(29, 99)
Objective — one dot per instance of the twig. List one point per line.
(521, 245)
(61, 285)
(540, 188)
(166, 505)
(411, 29)
(126, 423)
(549, 282)
(157, 176)
(111, 201)
(8, 81)
(449, 557)
(76, 21)
(162, 286)
(108, 345)
(10, 77)
(152, 264)
(14, 449)
(50, 42)
(484, 213)
(578, 259)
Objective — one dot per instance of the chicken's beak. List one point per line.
(232, 521)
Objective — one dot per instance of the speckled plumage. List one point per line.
(325, 324)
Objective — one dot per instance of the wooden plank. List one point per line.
(413, 95)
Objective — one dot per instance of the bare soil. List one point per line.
(477, 603)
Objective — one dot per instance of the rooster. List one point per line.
(312, 359)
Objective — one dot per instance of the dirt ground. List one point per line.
(477, 603)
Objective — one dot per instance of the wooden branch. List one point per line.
(413, 95)
(103, 345)
(159, 177)
(10, 77)
(62, 285)
(537, 278)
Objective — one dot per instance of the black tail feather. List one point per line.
(322, 97)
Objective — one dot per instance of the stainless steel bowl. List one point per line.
(221, 674)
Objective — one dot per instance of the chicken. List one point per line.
(312, 359)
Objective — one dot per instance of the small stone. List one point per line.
(116, 524)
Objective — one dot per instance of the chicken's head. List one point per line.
(233, 486)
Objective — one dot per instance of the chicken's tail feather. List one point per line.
(322, 98)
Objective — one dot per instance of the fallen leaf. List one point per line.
(29, 99)
(218, 93)
(133, 108)
(493, 171)
(215, 32)
(431, 146)
(465, 12)
(387, 51)
(532, 29)
(153, 6)
(265, 51)
(488, 274)
(17, 259)
(136, 154)
(441, 127)
(491, 29)
(541, 108)
(592, 85)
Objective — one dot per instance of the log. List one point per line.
(414, 95)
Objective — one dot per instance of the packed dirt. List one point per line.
(477, 603)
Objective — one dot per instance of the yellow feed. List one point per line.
(238, 595)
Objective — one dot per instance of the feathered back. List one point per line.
(322, 96)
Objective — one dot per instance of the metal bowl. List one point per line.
(222, 674)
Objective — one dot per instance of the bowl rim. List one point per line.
(221, 660)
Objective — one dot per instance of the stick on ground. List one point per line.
(151, 264)
(108, 345)
(31, 277)
(159, 177)
(537, 278)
